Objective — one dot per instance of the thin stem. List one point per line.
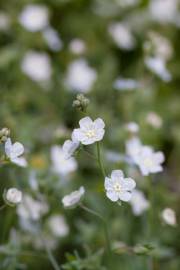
(108, 243)
(50, 256)
(100, 160)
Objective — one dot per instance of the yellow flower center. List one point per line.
(117, 187)
(148, 162)
(90, 133)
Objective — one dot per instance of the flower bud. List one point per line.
(4, 134)
(81, 102)
(12, 196)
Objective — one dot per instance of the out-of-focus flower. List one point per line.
(89, 131)
(12, 196)
(164, 10)
(74, 198)
(149, 161)
(34, 17)
(77, 46)
(80, 76)
(58, 226)
(60, 163)
(126, 84)
(14, 151)
(69, 147)
(52, 38)
(33, 183)
(32, 209)
(37, 66)
(119, 188)
(132, 127)
(169, 216)
(113, 156)
(157, 65)
(133, 146)
(127, 3)
(154, 120)
(138, 202)
(122, 36)
(4, 21)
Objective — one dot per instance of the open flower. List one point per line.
(169, 216)
(58, 226)
(138, 202)
(74, 198)
(13, 196)
(119, 188)
(69, 147)
(149, 161)
(89, 131)
(14, 151)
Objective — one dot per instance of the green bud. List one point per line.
(4, 134)
(81, 102)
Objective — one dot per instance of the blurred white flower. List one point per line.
(37, 66)
(158, 66)
(60, 164)
(122, 36)
(80, 77)
(33, 183)
(14, 151)
(127, 3)
(132, 127)
(119, 188)
(126, 84)
(149, 161)
(4, 21)
(113, 156)
(13, 196)
(77, 46)
(154, 120)
(163, 10)
(58, 226)
(169, 216)
(32, 209)
(89, 131)
(70, 146)
(34, 17)
(133, 147)
(138, 202)
(74, 198)
(52, 38)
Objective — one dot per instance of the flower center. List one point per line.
(117, 187)
(90, 133)
(148, 162)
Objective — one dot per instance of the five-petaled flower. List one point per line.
(89, 131)
(149, 161)
(117, 187)
(14, 151)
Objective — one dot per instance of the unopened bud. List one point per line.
(4, 134)
(81, 102)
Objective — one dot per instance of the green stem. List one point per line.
(100, 160)
(106, 233)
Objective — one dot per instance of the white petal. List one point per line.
(125, 196)
(108, 183)
(128, 184)
(17, 150)
(78, 134)
(85, 122)
(117, 174)
(99, 134)
(20, 161)
(112, 195)
(8, 146)
(159, 156)
(99, 123)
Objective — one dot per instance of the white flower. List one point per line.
(158, 66)
(34, 17)
(80, 77)
(74, 198)
(154, 120)
(163, 10)
(14, 151)
(32, 209)
(149, 161)
(122, 36)
(70, 146)
(77, 46)
(126, 84)
(60, 163)
(37, 66)
(133, 146)
(132, 127)
(13, 196)
(52, 38)
(58, 226)
(138, 202)
(119, 188)
(169, 216)
(89, 131)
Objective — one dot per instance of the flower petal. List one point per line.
(108, 184)
(8, 146)
(112, 195)
(159, 157)
(125, 196)
(16, 150)
(85, 122)
(99, 134)
(99, 123)
(128, 184)
(117, 174)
